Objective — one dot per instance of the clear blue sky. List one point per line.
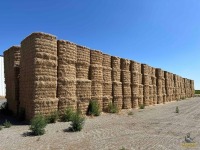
(161, 33)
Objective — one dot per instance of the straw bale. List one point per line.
(68, 71)
(107, 74)
(146, 95)
(96, 88)
(67, 51)
(126, 89)
(96, 72)
(83, 55)
(106, 101)
(126, 76)
(116, 75)
(107, 88)
(140, 99)
(146, 79)
(159, 99)
(82, 71)
(145, 69)
(127, 104)
(135, 102)
(99, 99)
(66, 88)
(125, 64)
(68, 102)
(117, 89)
(134, 66)
(140, 78)
(118, 101)
(135, 78)
(83, 88)
(82, 105)
(96, 57)
(106, 60)
(115, 62)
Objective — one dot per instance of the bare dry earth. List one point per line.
(154, 128)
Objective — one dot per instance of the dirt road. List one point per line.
(154, 128)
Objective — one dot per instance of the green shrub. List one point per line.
(130, 113)
(7, 124)
(67, 115)
(38, 124)
(93, 108)
(142, 106)
(112, 108)
(1, 128)
(77, 122)
(197, 91)
(123, 148)
(53, 117)
(177, 109)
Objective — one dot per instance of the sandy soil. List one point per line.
(154, 128)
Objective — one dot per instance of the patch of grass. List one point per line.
(67, 116)
(77, 122)
(197, 91)
(93, 108)
(112, 108)
(130, 113)
(141, 106)
(53, 117)
(123, 148)
(177, 109)
(7, 124)
(38, 124)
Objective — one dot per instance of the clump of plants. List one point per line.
(93, 108)
(112, 108)
(53, 117)
(130, 113)
(38, 124)
(77, 122)
(7, 124)
(67, 116)
(142, 106)
(177, 109)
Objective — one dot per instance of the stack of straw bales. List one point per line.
(11, 65)
(146, 78)
(151, 87)
(154, 86)
(126, 83)
(191, 88)
(163, 87)
(96, 76)
(117, 84)
(38, 74)
(83, 85)
(66, 89)
(135, 83)
(159, 76)
(107, 81)
(141, 87)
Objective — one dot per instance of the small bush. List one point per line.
(93, 108)
(1, 128)
(77, 122)
(123, 148)
(130, 113)
(177, 109)
(142, 106)
(7, 124)
(67, 115)
(112, 108)
(38, 123)
(53, 117)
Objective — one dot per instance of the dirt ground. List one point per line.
(154, 128)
